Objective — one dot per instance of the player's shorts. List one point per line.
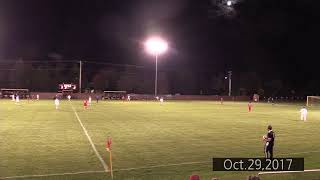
(269, 148)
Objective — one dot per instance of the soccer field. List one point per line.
(150, 141)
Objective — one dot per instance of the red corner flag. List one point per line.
(108, 144)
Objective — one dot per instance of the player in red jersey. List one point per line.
(194, 176)
(85, 104)
(250, 105)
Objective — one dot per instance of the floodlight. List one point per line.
(229, 3)
(156, 45)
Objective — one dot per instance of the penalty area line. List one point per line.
(103, 163)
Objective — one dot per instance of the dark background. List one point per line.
(270, 45)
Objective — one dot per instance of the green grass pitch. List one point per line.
(150, 141)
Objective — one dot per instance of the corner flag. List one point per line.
(108, 148)
(108, 144)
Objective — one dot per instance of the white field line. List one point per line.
(164, 165)
(105, 166)
(283, 172)
(305, 152)
(55, 174)
(91, 172)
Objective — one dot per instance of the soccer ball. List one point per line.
(264, 137)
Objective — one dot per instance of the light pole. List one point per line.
(80, 76)
(156, 46)
(230, 80)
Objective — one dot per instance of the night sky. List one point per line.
(278, 39)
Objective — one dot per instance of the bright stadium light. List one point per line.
(229, 3)
(156, 46)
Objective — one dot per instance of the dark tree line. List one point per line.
(47, 75)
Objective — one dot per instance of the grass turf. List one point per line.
(36, 139)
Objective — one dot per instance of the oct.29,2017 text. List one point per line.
(258, 164)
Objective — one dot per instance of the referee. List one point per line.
(268, 149)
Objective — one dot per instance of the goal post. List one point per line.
(313, 100)
(7, 93)
(115, 94)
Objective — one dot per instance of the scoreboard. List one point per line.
(67, 87)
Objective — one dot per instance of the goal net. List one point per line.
(313, 100)
(115, 94)
(7, 93)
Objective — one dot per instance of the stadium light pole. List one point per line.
(230, 81)
(80, 74)
(156, 46)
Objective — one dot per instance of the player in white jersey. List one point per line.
(57, 103)
(128, 98)
(161, 100)
(13, 98)
(303, 114)
(89, 100)
(38, 97)
(17, 99)
(69, 97)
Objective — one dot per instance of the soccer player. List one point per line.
(56, 102)
(69, 97)
(85, 104)
(13, 98)
(303, 114)
(269, 143)
(272, 101)
(221, 101)
(38, 97)
(161, 100)
(97, 98)
(17, 98)
(128, 98)
(250, 105)
(90, 99)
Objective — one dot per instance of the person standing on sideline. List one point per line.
(303, 114)
(57, 103)
(269, 143)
